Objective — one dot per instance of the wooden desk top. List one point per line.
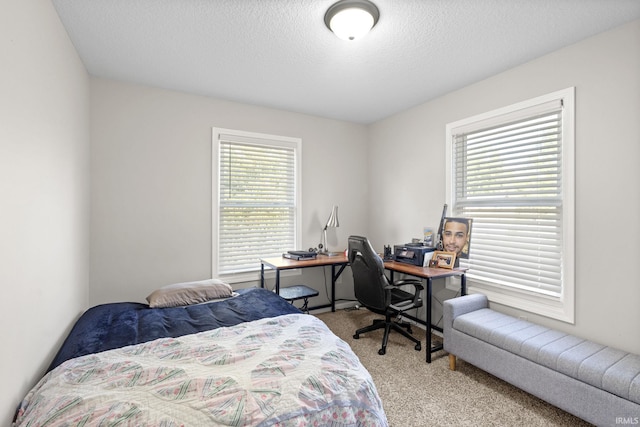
(424, 272)
(282, 263)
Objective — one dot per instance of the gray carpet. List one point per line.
(415, 393)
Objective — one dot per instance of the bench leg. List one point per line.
(452, 362)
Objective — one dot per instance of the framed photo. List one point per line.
(455, 236)
(442, 259)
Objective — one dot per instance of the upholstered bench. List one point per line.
(597, 383)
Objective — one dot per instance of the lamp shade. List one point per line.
(333, 218)
(351, 19)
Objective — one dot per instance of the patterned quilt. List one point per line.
(285, 371)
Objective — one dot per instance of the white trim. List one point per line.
(563, 307)
(254, 276)
(256, 138)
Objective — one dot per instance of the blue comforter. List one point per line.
(115, 325)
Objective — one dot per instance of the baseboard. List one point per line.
(339, 306)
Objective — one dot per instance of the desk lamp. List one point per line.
(331, 222)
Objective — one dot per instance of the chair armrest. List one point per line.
(417, 284)
(417, 288)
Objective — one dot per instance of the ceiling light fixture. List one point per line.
(351, 19)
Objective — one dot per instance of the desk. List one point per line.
(340, 262)
(429, 274)
(278, 264)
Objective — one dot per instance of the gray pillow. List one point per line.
(187, 293)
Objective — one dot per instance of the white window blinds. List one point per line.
(257, 204)
(507, 176)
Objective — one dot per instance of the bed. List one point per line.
(251, 359)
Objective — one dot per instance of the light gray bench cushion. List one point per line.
(609, 369)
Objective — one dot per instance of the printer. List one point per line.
(413, 253)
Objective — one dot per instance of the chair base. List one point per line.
(388, 324)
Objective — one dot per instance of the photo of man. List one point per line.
(456, 236)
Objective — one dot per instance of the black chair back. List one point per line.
(370, 284)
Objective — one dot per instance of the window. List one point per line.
(256, 200)
(512, 171)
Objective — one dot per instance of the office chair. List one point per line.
(374, 291)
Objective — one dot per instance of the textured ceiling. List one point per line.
(279, 53)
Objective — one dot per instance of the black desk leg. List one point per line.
(333, 287)
(463, 284)
(428, 319)
(334, 278)
(262, 281)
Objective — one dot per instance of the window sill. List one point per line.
(254, 276)
(559, 308)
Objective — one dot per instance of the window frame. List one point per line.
(560, 307)
(261, 139)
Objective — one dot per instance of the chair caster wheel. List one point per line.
(418, 347)
(356, 337)
(382, 351)
(410, 330)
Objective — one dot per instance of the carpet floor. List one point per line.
(415, 393)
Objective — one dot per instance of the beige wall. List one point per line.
(44, 193)
(150, 181)
(605, 70)
(151, 184)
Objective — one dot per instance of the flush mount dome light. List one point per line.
(351, 19)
